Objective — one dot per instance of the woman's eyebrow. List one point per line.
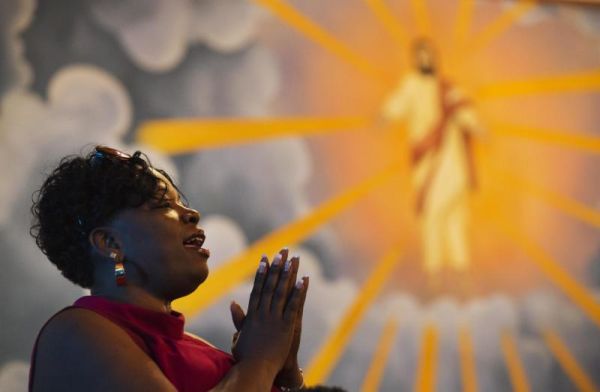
(177, 197)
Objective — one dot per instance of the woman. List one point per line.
(112, 223)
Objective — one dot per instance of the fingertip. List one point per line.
(306, 280)
(262, 267)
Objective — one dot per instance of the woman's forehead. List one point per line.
(165, 183)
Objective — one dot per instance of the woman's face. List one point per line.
(162, 245)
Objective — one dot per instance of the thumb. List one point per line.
(237, 315)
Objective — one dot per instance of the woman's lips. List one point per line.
(203, 251)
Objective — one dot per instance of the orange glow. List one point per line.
(508, 54)
(294, 18)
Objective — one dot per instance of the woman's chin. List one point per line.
(198, 277)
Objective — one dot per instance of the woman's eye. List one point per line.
(163, 205)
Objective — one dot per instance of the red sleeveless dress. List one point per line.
(189, 363)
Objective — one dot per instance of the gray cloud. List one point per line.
(209, 83)
(15, 16)
(153, 33)
(79, 98)
(85, 106)
(225, 25)
(13, 376)
(156, 34)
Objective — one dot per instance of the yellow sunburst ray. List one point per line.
(516, 371)
(552, 270)
(467, 360)
(241, 267)
(563, 203)
(327, 356)
(317, 34)
(498, 27)
(428, 359)
(374, 374)
(175, 136)
(563, 138)
(463, 22)
(422, 17)
(568, 362)
(389, 22)
(575, 82)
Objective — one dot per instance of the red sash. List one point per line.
(431, 143)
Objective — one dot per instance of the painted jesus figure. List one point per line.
(441, 125)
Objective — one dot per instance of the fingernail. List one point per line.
(296, 257)
(262, 267)
(299, 284)
(286, 249)
(287, 265)
(277, 259)
(264, 257)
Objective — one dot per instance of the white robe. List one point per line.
(445, 212)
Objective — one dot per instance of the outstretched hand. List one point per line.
(281, 274)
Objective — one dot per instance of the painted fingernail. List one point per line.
(299, 284)
(287, 265)
(277, 259)
(262, 267)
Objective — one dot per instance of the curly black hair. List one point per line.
(85, 192)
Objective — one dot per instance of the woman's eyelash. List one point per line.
(163, 205)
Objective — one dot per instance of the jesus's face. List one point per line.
(424, 58)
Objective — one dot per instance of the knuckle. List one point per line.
(269, 286)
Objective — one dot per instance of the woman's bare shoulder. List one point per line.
(79, 348)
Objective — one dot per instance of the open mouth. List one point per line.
(195, 242)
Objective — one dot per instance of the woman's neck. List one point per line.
(134, 295)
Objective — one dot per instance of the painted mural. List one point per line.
(432, 162)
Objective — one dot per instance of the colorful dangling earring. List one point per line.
(120, 277)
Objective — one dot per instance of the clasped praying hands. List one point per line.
(269, 333)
